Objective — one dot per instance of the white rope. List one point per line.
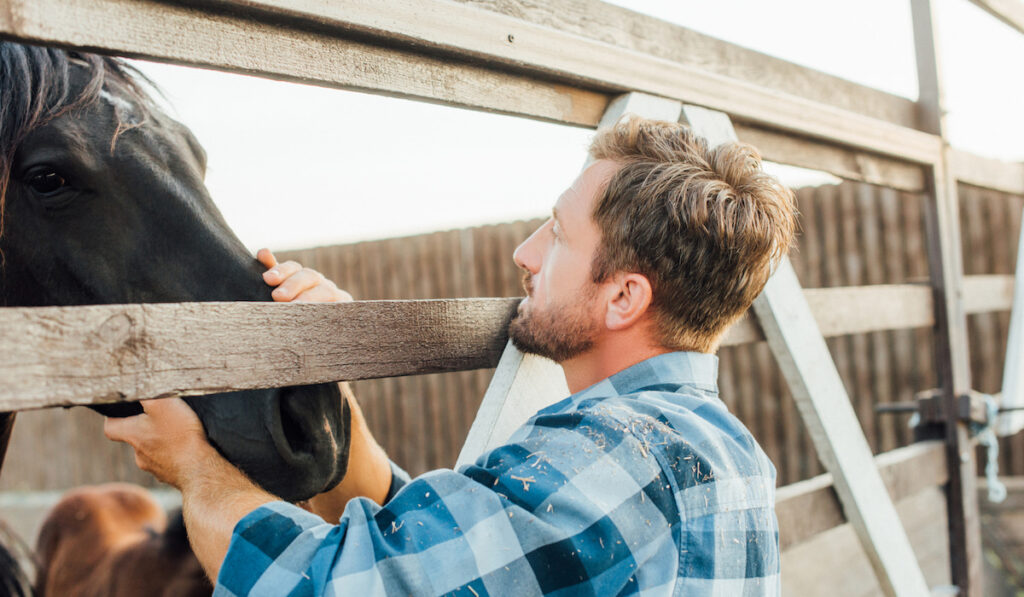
(987, 437)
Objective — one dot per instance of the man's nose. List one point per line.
(526, 255)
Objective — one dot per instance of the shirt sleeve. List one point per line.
(572, 501)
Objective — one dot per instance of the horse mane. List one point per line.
(36, 87)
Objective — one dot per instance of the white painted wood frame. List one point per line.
(1013, 370)
(796, 341)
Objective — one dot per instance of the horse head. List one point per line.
(102, 201)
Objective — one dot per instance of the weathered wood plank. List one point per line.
(26, 335)
(1010, 12)
(802, 355)
(986, 293)
(238, 43)
(648, 35)
(840, 161)
(234, 43)
(510, 42)
(60, 356)
(808, 508)
(853, 310)
(426, 28)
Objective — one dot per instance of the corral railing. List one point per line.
(541, 64)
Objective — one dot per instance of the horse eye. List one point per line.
(47, 183)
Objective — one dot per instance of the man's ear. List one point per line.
(630, 303)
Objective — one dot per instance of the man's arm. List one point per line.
(170, 443)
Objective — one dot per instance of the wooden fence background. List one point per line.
(852, 234)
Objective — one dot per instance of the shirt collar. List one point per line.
(657, 373)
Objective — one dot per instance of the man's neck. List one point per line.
(605, 360)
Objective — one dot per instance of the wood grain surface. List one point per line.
(62, 356)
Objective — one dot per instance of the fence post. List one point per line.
(946, 264)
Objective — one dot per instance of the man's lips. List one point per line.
(527, 283)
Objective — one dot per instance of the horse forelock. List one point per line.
(36, 87)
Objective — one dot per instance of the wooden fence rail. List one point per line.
(63, 356)
(501, 56)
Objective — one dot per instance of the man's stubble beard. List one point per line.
(561, 332)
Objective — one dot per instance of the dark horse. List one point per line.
(102, 201)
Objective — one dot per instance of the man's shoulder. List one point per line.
(706, 456)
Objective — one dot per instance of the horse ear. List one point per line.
(46, 546)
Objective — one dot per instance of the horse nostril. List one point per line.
(293, 428)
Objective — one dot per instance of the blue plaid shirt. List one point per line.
(641, 484)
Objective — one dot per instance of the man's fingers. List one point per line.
(162, 407)
(323, 293)
(121, 430)
(266, 257)
(281, 272)
(296, 284)
(173, 412)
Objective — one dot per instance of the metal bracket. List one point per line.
(930, 406)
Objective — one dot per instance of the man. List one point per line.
(640, 482)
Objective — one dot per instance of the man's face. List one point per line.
(562, 316)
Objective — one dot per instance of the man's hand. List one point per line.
(168, 439)
(170, 443)
(295, 283)
(369, 470)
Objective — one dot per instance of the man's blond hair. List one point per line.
(706, 226)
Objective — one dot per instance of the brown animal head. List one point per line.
(115, 541)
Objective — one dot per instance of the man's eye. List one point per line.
(47, 183)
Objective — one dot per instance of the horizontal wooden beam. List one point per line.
(971, 169)
(853, 310)
(1010, 12)
(850, 164)
(373, 45)
(511, 43)
(179, 34)
(810, 507)
(298, 51)
(56, 356)
(645, 34)
(983, 294)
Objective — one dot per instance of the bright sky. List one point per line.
(294, 166)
